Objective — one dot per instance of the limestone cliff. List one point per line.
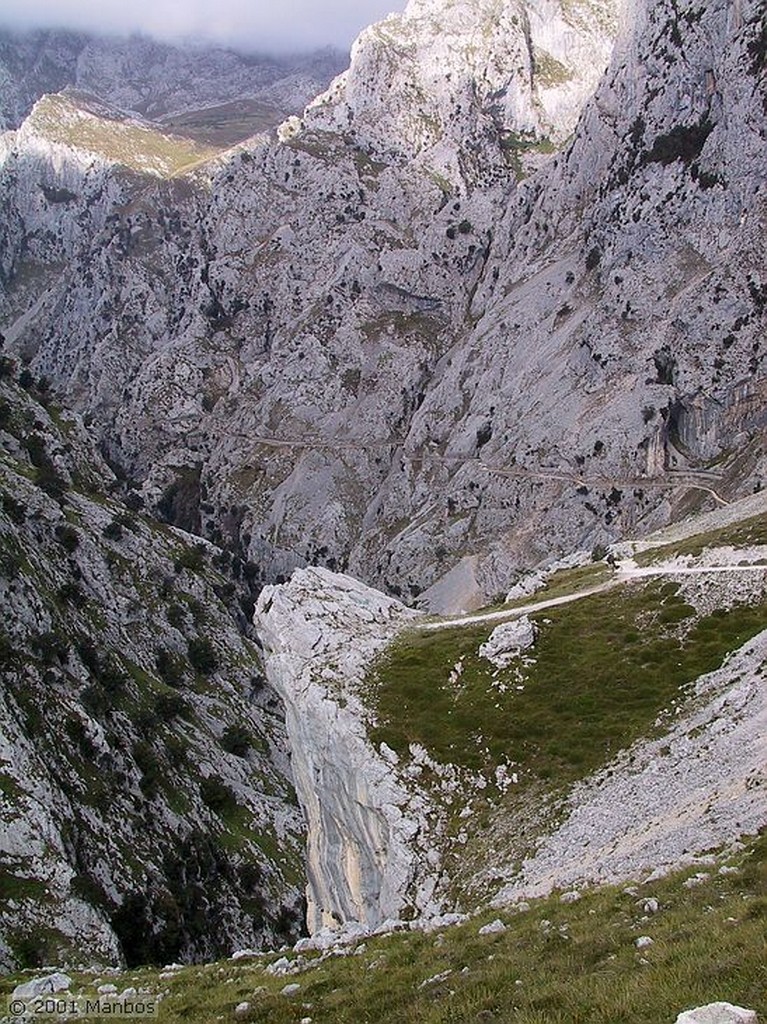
(147, 809)
(405, 338)
(366, 862)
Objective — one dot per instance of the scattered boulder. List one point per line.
(696, 880)
(281, 966)
(436, 979)
(431, 924)
(643, 942)
(43, 986)
(291, 990)
(508, 641)
(718, 1013)
(570, 897)
(494, 928)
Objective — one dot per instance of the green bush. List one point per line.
(48, 480)
(175, 615)
(192, 559)
(134, 501)
(13, 509)
(217, 795)
(7, 652)
(51, 648)
(71, 593)
(113, 531)
(202, 656)
(68, 537)
(169, 706)
(112, 678)
(237, 740)
(88, 654)
(95, 701)
(146, 761)
(170, 668)
(35, 448)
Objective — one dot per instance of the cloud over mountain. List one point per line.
(251, 24)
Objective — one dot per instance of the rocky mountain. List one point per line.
(147, 807)
(357, 241)
(485, 304)
(209, 93)
(391, 341)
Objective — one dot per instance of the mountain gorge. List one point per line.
(493, 300)
(399, 260)
(147, 805)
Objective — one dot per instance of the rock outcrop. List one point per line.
(147, 810)
(694, 788)
(718, 1013)
(365, 827)
(507, 642)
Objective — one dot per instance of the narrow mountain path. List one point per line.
(695, 480)
(625, 571)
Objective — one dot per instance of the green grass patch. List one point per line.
(548, 70)
(555, 964)
(589, 693)
(130, 143)
(17, 887)
(747, 533)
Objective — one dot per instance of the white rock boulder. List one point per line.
(496, 927)
(718, 1013)
(508, 641)
(42, 986)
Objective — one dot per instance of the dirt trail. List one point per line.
(625, 571)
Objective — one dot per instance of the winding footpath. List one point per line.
(626, 570)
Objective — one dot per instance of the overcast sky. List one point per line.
(252, 24)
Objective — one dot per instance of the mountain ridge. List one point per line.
(433, 333)
(392, 265)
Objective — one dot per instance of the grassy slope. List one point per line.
(589, 692)
(130, 143)
(746, 533)
(605, 671)
(581, 967)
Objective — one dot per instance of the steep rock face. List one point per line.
(381, 352)
(333, 274)
(147, 810)
(364, 861)
(469, 84)
(620, 314)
